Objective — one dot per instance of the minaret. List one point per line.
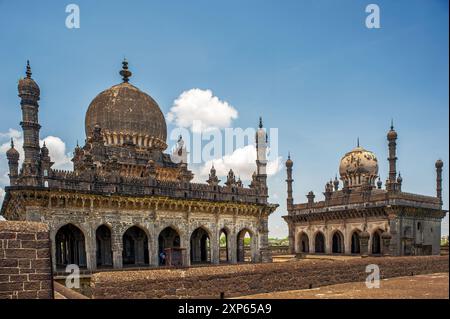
(439, 164)
(13, 162)
(261, 155)
(392, 138)
(289, 180)
(29, 93)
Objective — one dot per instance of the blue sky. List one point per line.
(310, 68)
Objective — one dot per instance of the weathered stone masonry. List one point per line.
(239, 280)
(25, 267)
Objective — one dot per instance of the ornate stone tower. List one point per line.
(289, 181)
(439, 164)
(13, 162)
(29, 93)
(391, 183)
(261, 156)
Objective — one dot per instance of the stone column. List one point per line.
(117, 258)
(386, 239)
(233, 248)
(291, 237)
(215, 246)
(364, 243)
(153, 254)
(265, 255)
(186, 243)
(91, 260)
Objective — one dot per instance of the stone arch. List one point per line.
(70, 244)
(224, 244)
(355, 244)
(337, 242)
(168, 239)
(200, 245)
(103, 241)
(135, 246)
(302, 243)
(375, 242)
(245, 247)
(319, 242)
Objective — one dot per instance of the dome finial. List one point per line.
(125, 73)
(357, 142)
(289, 155)
(260, 122)
(28, 72)
(392, 124)
(12, 143)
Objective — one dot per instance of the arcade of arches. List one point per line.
(355, 242)
(136, 248)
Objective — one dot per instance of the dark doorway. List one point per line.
(168, 238)
(356, 249)
(70, 246)
(135, 247)
(319, 243)
(244, 246)
(104, 252)
(304, 243)
(376, 243)
(223, 246)
(338, 243)
(200, 246)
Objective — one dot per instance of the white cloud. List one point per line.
(204, 109)
(243, 163)
(57, 150)
(56, 147)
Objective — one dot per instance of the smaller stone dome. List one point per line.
(358, 166)
(44, 150)
(12, 153)
(392, 134)
(27, 86)
(289, 162)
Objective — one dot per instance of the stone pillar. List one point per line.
(117, 258)
(233, 248)
(364, 243)
(91, 260)
(215, 247)
(291, 237)
(186, 243)
(386, 239)
(153, 254)
(265, 255)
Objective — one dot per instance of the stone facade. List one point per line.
(25, 267)
(126, 201)
(240, 280)
(362, 218)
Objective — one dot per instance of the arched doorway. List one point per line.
(168, 238)
(303, 243)
(338, 243)
(104, 252)
(319, 243)
(244, 246)
(376, 243)
(356, 249)
(70, 246)
(200, 246)
(223, 246)
(135, 247)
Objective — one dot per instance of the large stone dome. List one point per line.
(359, 166)
(126, 114)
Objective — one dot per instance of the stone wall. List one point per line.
(25, 266)
(246, 279)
